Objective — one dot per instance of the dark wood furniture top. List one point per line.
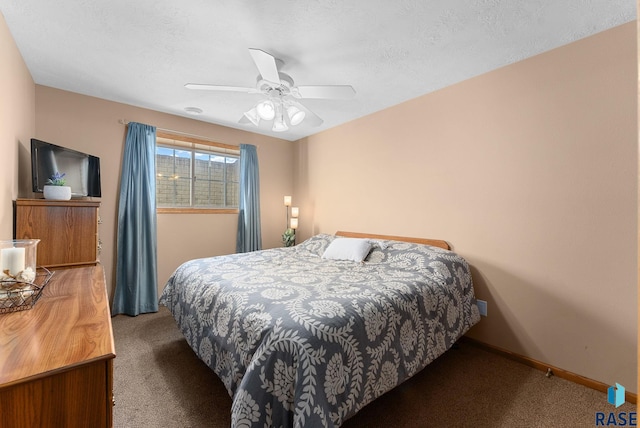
(56, 359)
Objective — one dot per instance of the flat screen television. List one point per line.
(82, 171)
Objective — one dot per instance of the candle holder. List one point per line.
(20, 283)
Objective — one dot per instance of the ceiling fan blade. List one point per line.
(343, 92)
(200, 86)
(266, 65)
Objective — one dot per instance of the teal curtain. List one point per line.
(136, 263)
(249, 233)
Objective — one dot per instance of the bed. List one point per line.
(306, 336)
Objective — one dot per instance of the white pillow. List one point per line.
(347, 249)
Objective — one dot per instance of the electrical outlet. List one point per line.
(482, 307)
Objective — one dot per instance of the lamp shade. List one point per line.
(287, 201)
(253, 116)
(294, 223)
(266, 110)
(279, 125)
(295, 211)
(296, 115)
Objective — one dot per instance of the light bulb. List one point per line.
(295, 115)
(266, 110)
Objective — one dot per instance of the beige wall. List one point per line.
(92, 125)
(530, 172)
(17, 121)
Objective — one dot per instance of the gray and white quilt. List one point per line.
(302, 341)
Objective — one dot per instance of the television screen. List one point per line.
(82, 171)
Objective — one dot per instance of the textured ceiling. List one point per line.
(142, 52)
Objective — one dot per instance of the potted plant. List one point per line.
(289, 237)
(56, 188)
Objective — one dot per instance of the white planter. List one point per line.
(60, 193)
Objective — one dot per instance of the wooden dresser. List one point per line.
(67, 230)
(56, 359)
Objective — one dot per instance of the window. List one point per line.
(195, 175)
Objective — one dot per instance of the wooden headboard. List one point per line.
(434, 242)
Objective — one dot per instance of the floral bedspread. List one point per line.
(302, 341)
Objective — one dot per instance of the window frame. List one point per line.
(192, 144)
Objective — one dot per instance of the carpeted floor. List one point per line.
(159, 382)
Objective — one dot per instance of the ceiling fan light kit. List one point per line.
(279, 90)
(268, 110)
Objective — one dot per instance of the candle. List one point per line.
(287, 201)
(12, 259)
(294, 211)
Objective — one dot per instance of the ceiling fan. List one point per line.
(281, 94)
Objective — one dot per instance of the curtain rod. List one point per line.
(186, 134)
